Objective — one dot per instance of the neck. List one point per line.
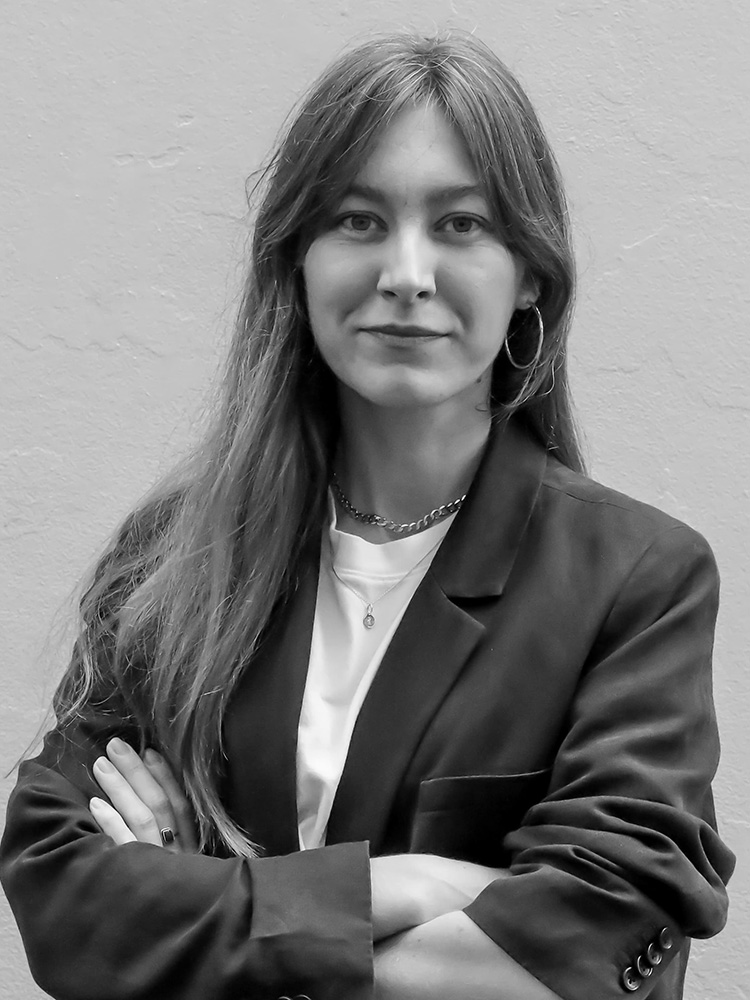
(404, 463)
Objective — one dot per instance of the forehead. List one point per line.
(419, 152)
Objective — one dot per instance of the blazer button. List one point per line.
(665, 939)
(643, 966)
(631, 980)
(654, 954)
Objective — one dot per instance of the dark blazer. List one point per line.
(545, 705)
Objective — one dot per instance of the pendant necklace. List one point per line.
(369, 618)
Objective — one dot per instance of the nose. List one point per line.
(408, 270)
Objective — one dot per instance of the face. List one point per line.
(410, 288)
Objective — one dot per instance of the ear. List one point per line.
(528, 290)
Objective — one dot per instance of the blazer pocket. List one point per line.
(468, 817)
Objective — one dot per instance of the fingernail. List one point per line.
(104, 765)
(152, 757)
(118, 746)
(96, 803)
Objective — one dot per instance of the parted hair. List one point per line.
(180, 600)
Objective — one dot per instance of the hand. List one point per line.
(412, 889)
(147, 801)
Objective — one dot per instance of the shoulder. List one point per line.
(613, 525)
(132, 547)
(620, 563)
(581, 489)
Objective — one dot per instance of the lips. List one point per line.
(407, 332)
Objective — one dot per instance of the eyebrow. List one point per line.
(437, 195)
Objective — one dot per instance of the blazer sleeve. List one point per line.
(621, 859)
(135, 922)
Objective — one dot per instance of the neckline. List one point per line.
(352, 554)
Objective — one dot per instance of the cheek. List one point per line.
(334, 286)
(485, 296)
(329, 295)
(313, 279)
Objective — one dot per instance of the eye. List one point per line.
(463, 225)
(356, 222)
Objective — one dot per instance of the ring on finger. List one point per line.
(168, 836)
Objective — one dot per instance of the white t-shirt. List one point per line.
(345, 655)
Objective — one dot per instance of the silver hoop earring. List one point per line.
(540, 342)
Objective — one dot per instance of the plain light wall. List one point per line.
(126, 133)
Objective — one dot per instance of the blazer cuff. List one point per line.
(311, 926)
(578, 943)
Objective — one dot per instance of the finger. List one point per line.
(143, 783)
(135, 813)
(181, 808)
(111, 822)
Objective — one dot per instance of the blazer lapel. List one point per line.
(260, 728)
(425, 656)
(478, 553)
(436, 637)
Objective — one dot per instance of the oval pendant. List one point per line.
(368, 621)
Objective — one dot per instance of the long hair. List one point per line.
(180, 601)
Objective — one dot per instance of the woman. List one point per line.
(421, 680)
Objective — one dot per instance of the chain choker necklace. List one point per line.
(384, 522)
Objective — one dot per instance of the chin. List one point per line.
(414, 389)
(405, 395)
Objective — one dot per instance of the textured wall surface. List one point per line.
(126, 134)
